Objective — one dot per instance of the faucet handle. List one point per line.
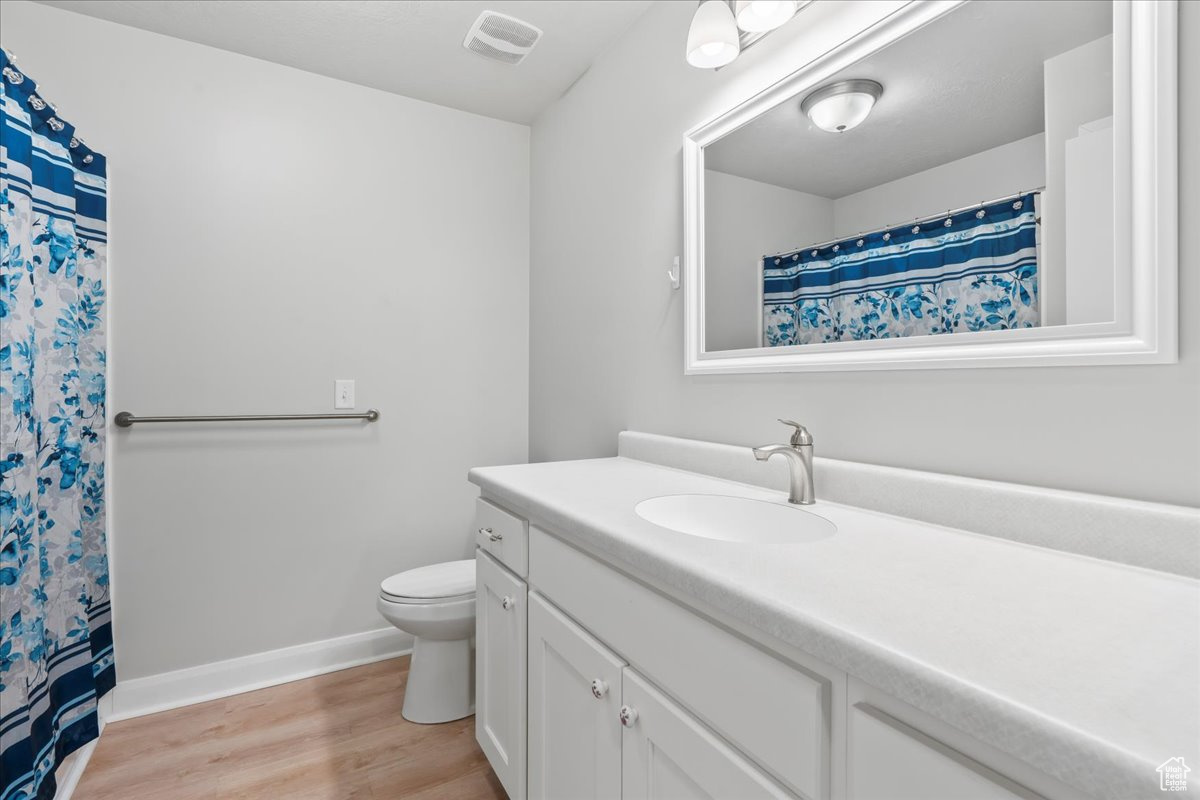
(800, 436)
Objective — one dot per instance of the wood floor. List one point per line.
(334, 737)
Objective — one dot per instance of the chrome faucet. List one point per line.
(799, 457)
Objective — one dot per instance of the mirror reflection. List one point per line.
(959, 180)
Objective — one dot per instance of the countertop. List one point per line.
(1088, 670)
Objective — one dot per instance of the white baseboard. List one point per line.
(149, 695)
(68, 773)
(104, 710)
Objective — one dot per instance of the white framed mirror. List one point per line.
(964, 184)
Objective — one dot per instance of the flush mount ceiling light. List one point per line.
(760, 16)
(841, 106)
(713, 37)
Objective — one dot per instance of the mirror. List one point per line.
(957, 183)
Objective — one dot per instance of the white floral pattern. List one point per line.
(56, 655)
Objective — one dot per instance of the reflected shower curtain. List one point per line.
(56, 657)
(971, 271)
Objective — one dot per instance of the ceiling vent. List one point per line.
(501, 37)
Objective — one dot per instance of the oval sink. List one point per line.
(735, 519)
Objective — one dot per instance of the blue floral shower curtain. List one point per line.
(56, 657)
(971, 271)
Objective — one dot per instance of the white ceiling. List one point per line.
(965, 83)
(413, 48)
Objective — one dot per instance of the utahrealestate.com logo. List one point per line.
(1172, 775)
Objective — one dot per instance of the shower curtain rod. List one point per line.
(916, 221)
(125, 419)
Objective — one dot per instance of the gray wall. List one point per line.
(744, 221)
(274, 230)
(995, 172)
(607, 331)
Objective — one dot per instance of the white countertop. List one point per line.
(1088, 670)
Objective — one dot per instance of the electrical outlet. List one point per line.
(343, 394)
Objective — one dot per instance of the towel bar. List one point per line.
(126, 419)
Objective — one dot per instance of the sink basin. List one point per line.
(735, 519)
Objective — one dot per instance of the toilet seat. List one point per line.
(423, 601)
(436, 583)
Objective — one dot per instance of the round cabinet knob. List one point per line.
(599, 689)
(628, 716)
(507, 603)
(492, 537)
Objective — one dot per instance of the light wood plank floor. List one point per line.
(333, 737)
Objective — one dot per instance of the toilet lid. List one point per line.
(437, 581)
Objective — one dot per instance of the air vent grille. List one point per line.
(501, 37)
(484, 49)
(510, 30)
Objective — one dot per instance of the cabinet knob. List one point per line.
(507, 602)
(599, 689)
(628, 716)
(492, 537)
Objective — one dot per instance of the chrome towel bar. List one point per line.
(125, 419)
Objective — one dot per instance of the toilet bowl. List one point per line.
(436, 604)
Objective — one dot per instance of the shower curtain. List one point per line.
(56, 657)
(971, 271)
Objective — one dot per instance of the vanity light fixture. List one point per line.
(760, 16)
(713, 38)
(841, 106)
(722, 29)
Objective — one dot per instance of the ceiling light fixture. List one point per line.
(841, 106)
(760, 16)
(713, 38)
(722, 29)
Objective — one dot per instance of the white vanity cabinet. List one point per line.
(666, 754)
(779, 713)
(598, 730)
(501, 627)
(890, 760)
(574, 706)
(592, 685)
(896, 752)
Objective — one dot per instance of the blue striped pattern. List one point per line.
(978, 272)
(56, 648)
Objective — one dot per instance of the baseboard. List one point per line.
(69, 772)
(149, 695)
(104, 710)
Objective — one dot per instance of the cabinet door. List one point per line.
(500, 646)
(574, 700)
(667, 755)
(890, 760)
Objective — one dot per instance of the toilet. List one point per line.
(436, 604)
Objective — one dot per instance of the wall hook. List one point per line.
(673, 274)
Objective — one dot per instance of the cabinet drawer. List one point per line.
(776, 713)
(502, 535)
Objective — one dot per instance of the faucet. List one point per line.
(799, 455)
